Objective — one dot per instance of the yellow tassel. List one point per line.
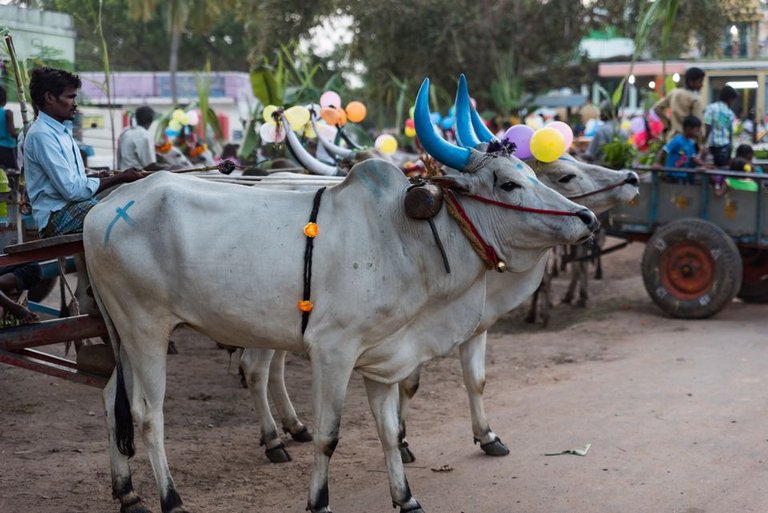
(305, 305)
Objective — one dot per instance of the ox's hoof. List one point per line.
(302, 435)
(135, 507)
(415, 509)
(278, 454)
(406, 454)
(495, 448)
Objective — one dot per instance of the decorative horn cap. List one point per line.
(439, 148)
(465, 135)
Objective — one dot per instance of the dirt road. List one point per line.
(676, 413)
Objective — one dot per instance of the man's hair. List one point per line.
(50, 80)
(745, 151)
(145, 115)
(691, 122)
(607, 110)
(727, 93)
(3, 96)
(693, 74)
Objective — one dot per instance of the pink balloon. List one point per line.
(565, 130)
(330, 99)
(520, 135)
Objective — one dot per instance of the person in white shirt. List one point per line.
(135, 147)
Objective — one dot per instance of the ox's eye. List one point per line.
(510, 186)
(567, 178)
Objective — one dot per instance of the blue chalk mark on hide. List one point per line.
(122, 213)
(533, 180)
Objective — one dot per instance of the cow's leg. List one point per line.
(149, 373)
(531, 317)
(122, 485)
(407, 388)
(278, 392)
(472, 354)
(384, 400)
(255, 365)
(330, 378)
(575, 270)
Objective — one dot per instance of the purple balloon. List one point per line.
(637, 125)
(520, 135)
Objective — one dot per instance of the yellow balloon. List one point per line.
(547, 144)
(297, 117)
(386, 144)
(410, 131)
(178, 115)
(267, 113)
(356, 112)
(309, 132)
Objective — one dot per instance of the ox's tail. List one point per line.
(123, 434)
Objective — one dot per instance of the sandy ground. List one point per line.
(675, 412)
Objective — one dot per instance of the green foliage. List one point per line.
(619, 153)
(649, 156)
(506, 89)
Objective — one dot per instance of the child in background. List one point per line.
(682, 152)
(745, 151)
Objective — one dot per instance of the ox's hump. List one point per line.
(376, 176)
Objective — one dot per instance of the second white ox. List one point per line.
(594, 187)
(228, 261)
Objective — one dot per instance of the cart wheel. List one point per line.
(691, 268)
(754, 283)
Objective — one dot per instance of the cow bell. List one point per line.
(423, 201)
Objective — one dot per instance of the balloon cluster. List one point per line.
(333, 114)
(272, 132)
(444, 122)
(179, 119)
(546, 144)
(639, 135)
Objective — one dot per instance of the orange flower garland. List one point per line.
(311, 230)
(198, 150)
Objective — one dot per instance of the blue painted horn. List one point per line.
(465, 135)
(481, 130)
(439, 148)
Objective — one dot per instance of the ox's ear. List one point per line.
(459, 183)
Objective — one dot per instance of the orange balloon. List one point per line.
(342, 117)
(330, 115)
(356, 112)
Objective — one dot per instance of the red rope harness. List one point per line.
(597, 191)
(484, 250)
(520, 208)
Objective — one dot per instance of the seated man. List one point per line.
(135, 146)
(60, 192)
(14, 279)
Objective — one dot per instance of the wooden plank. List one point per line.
(51, 369)
(51, 332)
(44, 243)
(44, 253)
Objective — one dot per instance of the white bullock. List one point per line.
(174, 250)
(595, 187)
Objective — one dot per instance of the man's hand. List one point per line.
(131, 175)
(24, 315)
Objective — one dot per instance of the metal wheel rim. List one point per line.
(687, 270)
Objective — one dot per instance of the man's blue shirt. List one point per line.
(54, 169)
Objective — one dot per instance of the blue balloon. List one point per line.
(170, 132)
(452, 110)
(435, 117)
(447, 123)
